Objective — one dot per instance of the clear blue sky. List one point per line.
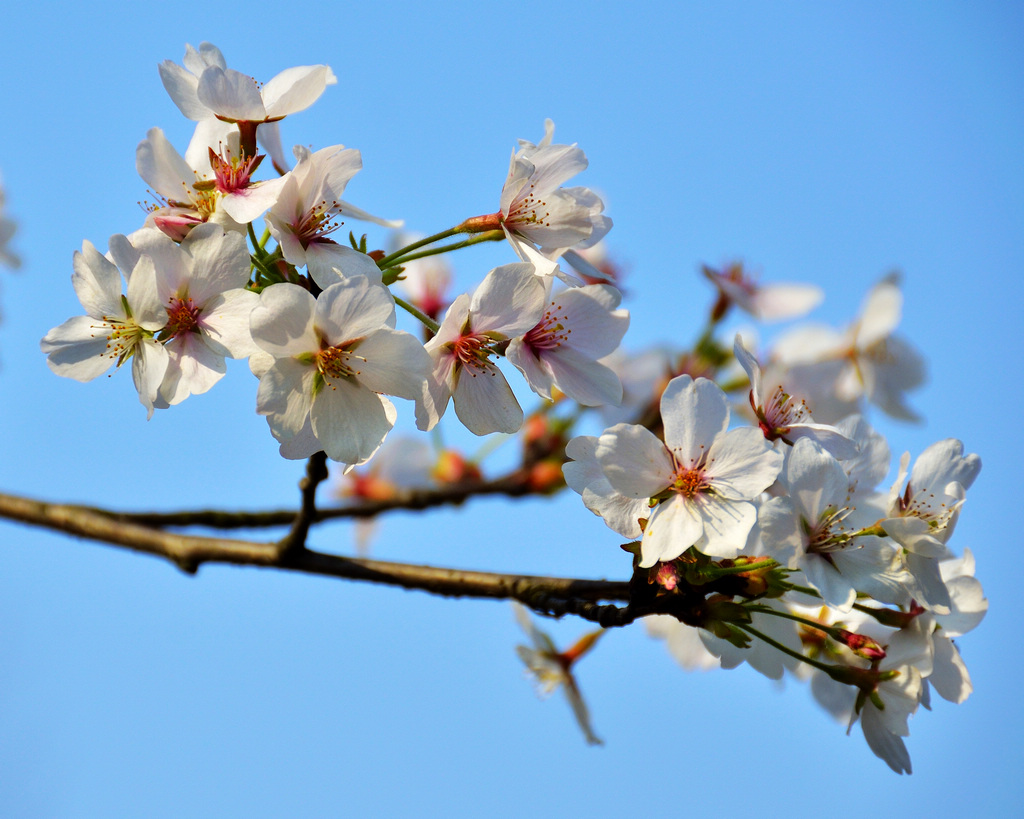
(824, 144)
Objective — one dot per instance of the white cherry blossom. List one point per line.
(308, 210)
(535, 209)
(808, 529)
(333, 356)
(867, 360)
(201, 284)
(579, 326)
(507, 303)
(116, 327)
(781, 416)
(702, 477)
(765, 302)
(205, 88)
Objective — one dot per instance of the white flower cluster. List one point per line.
(770, 539)
(314, 317)
(792, 507)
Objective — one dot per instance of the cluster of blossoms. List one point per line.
(777, 530)
(315, 317)
(759, 533)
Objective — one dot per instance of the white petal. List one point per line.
(225, 323)
(231, 95)
(694, 413)
(285, 395)
(673, 527)
(634, 461)
(295, 89)
(509, 301)
(485, 403)
(282, 323)
(349, 420)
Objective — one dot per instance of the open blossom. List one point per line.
(867, 360)
(116, 327)
(333, 356)
(579, 326)
(782, 417)
(205, 88)
(809, 529)
(536, 209)
(765, 302)
(213, 182)
(201, 284)
(507, 303)
(922, 516)
(702, 478)
(885, 710)
(553, 669)
(309, 208)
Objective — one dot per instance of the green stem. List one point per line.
(437, 237)
(432, 325)
(796, 618)
(392, 261)
(823, 667)
(257, 245)
(722, 571)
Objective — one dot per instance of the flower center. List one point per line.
(829, 535)
(690, 482)
(549, 333)
(339, 362)
(182, 317)
(527, 209)
(317, 222)
(471, 351)
(781, 412)
(233, 173)
(924, 505)
(122, 338)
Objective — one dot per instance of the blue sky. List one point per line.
(822, 144)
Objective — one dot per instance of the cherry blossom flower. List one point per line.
(808, 529)
(116, 327)
(702, 478)
(765, 302)
(507, 303)
(884, 710)
(201, 284)
(306, 213)
(333, 355)
(206, 185)
(205, 88)
(579, 326)
(867, 360)
(922, 516)
(553, 669)
(783, 418)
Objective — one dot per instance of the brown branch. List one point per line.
(552, 595)
(514, 484)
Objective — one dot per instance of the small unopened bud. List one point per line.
(859, 644)
(451, 467)
(546, 477)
